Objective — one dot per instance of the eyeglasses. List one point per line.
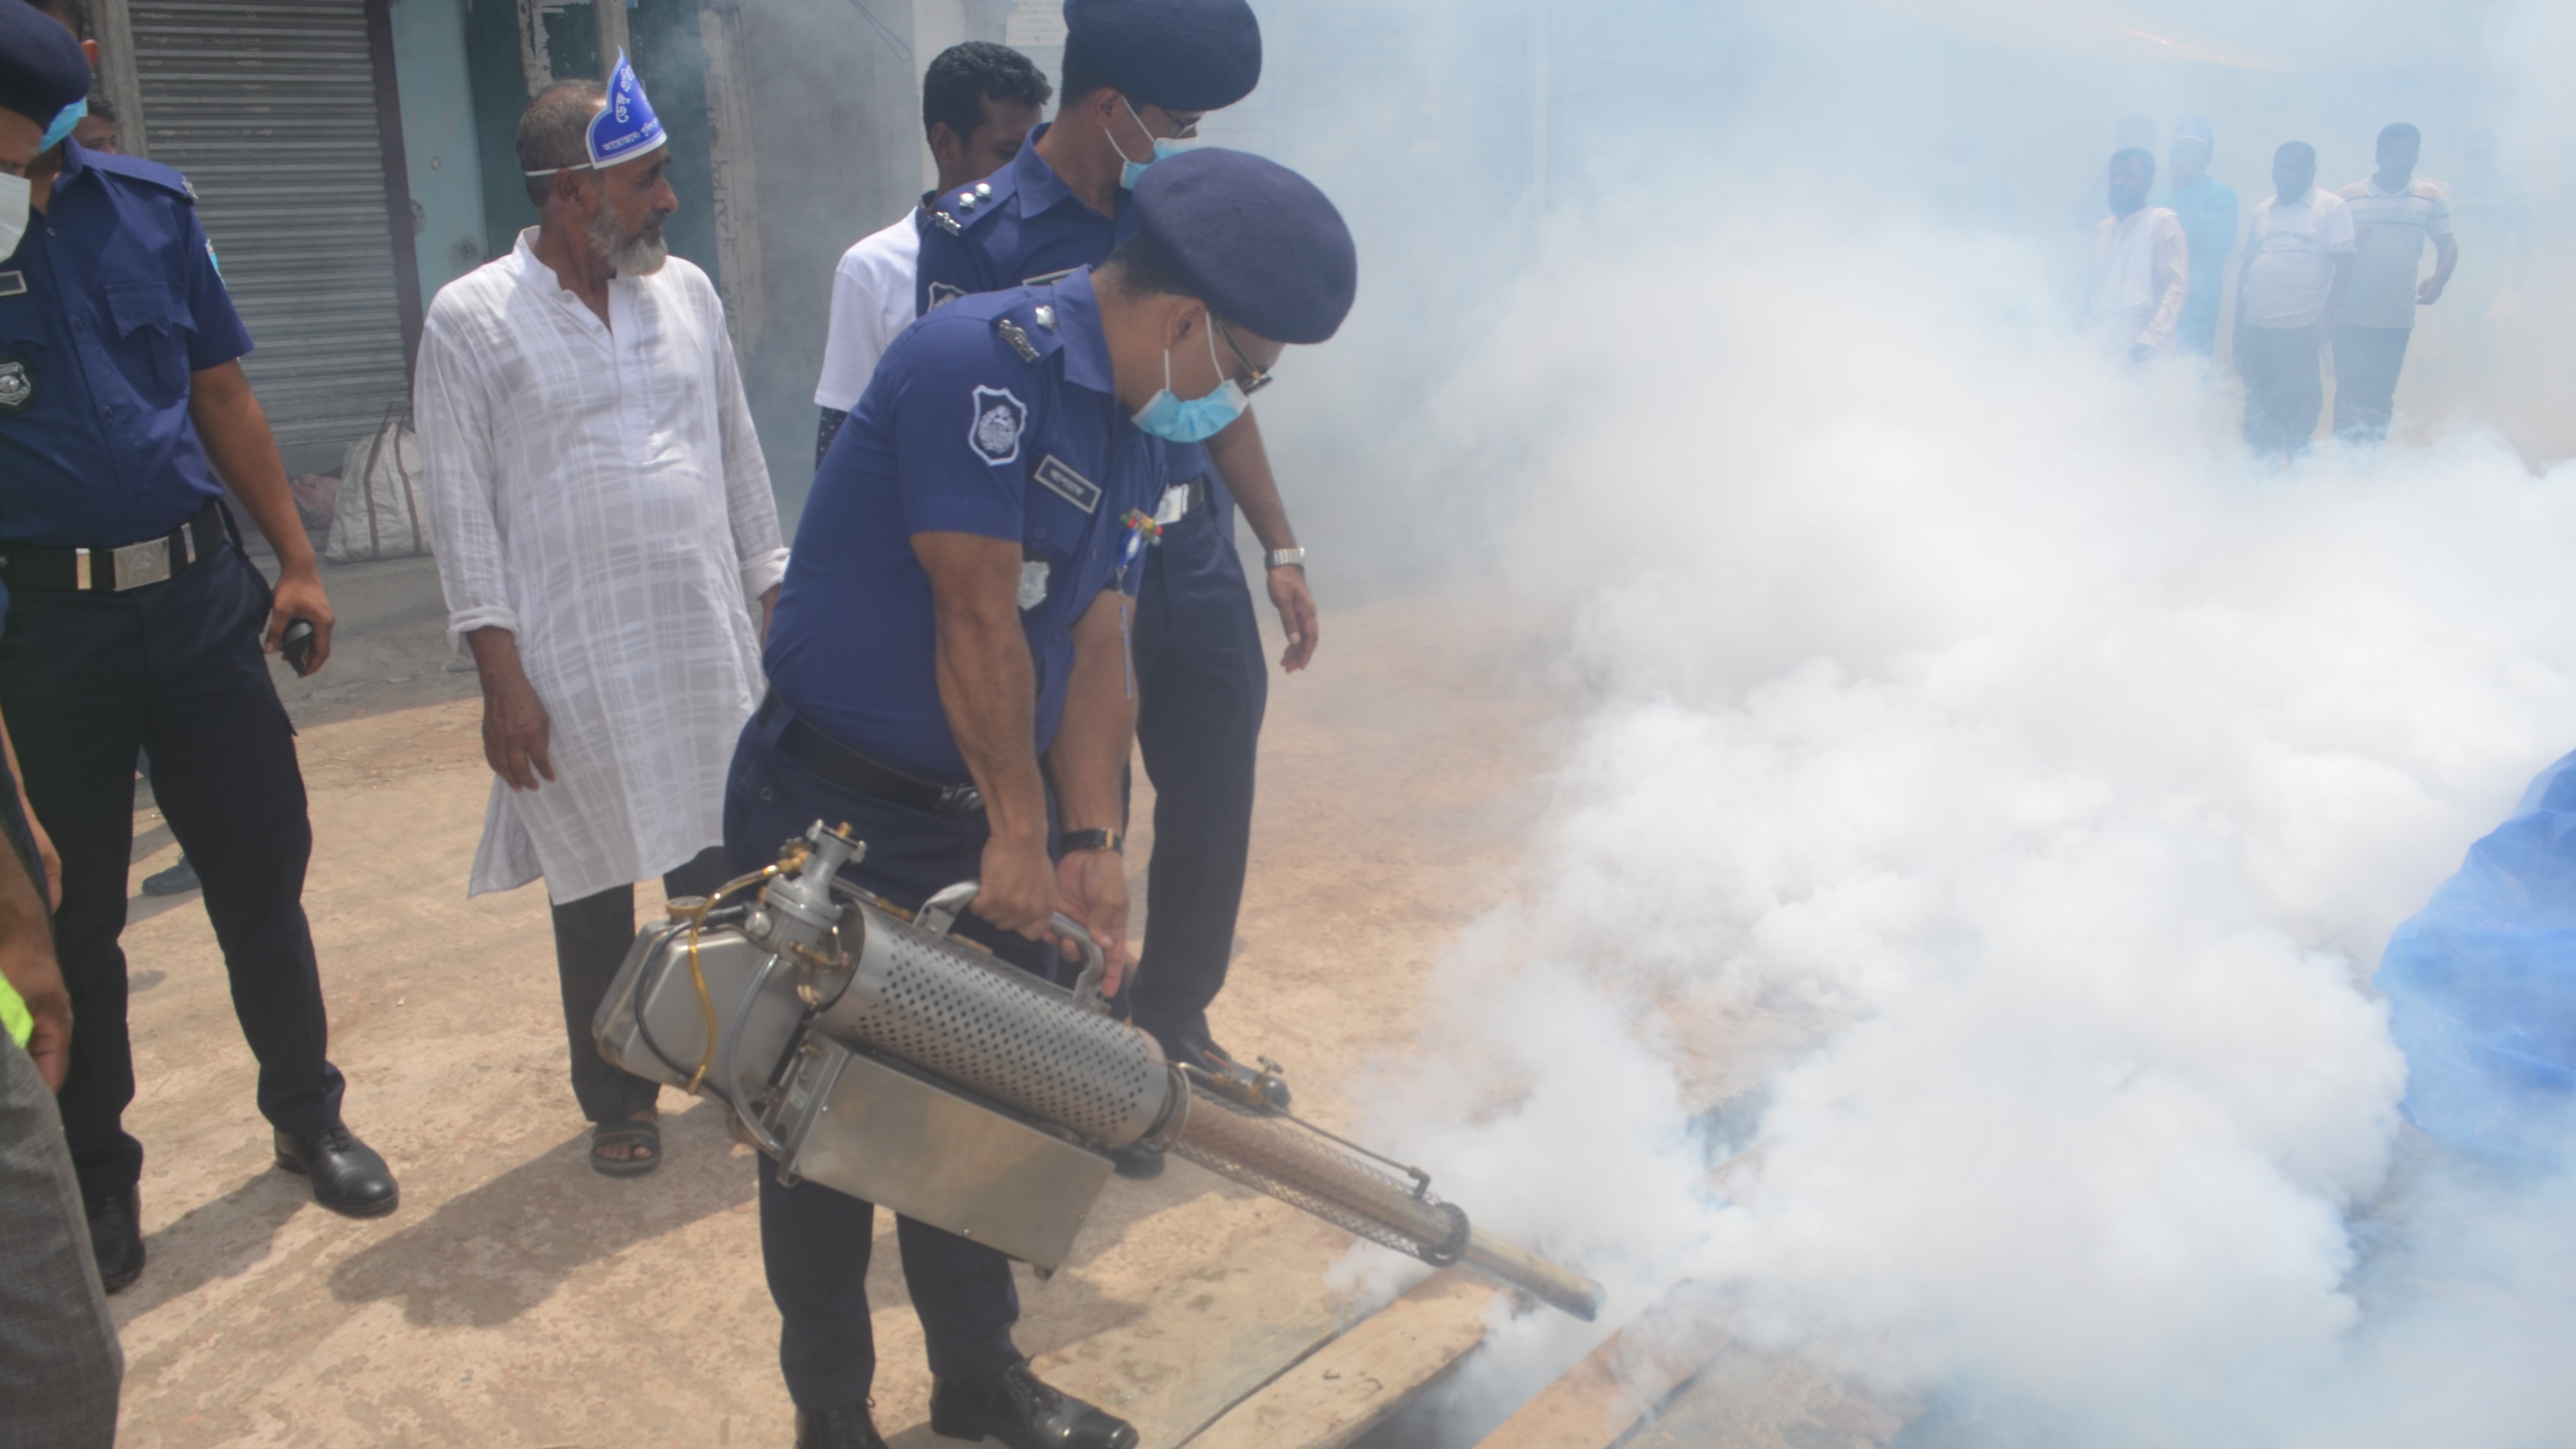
(1260, 379)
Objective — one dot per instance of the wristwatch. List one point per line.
(1078, 840)
(1280, 558)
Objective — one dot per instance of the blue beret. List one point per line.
(1182, 55)
(42, 69)
(1255, 240)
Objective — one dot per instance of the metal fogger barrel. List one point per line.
(865, 1049)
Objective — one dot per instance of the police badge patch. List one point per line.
(941, 294)
(17, 385)
(998, 419)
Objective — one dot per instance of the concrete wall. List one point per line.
(439, 138)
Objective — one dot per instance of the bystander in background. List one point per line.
(2298, 260)
(979, 101)
(2394, 216)
(2141, 265)
(2206, 208)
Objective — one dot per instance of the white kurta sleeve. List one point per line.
(451, 409)
(748, 501)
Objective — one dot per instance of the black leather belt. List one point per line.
(853, 770)
(113, 570)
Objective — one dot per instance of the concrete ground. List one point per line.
(518, 1299)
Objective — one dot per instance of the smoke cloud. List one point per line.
(1989, 795)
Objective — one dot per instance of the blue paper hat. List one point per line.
(626, 127)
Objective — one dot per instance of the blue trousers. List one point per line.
(89, 680)
(814, 1242)
(1202, 689)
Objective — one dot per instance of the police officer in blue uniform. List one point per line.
(949, 674)
(135, 622)
(1138, 74)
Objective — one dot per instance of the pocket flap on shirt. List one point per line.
(137, 305)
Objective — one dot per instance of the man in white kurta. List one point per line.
(2141, 266)
(601, 511)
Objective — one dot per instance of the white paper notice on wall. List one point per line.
(1035, 23)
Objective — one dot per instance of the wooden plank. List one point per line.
(1350, 1385)
(1750, 1399)
(1600, 1399)
(1199, 1343)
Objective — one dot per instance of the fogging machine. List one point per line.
(864, 1048)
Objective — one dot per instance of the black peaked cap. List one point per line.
(42, 69)
(1182, 55)
(1255, 240)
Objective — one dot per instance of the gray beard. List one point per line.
(640, 255)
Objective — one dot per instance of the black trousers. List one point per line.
(89, 680)
(1202, 688)
(592, 936)
(2284, 388)
(814, 1242)
(2367, 363)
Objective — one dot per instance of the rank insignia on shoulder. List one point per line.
(17, 386)
(1045, 316)
(947, 223)
(1018, 337)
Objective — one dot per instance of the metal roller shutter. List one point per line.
(270, 109)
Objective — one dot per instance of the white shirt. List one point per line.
(599, 492)
(2141, 278)
(2392, 228)
(871, 305)
(2291, 253)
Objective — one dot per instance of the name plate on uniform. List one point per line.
(1058, 477)
(13, 284)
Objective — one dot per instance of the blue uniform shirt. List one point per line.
(107, 306)
(984, 419)
(1030, 229)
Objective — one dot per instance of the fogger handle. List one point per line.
(938, 915)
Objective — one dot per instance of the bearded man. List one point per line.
(601, 513)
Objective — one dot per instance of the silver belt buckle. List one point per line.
(1175, 505)
(138, 564)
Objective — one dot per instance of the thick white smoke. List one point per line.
(2001, 787)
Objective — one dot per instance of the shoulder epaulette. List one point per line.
(1030, 329)
(138, 168)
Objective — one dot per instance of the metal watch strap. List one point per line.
(1074, 840)
(1280, 558)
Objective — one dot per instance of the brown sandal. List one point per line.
(638, 1138)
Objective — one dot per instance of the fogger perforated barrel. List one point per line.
(983, 1025)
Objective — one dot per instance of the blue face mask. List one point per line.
(64, 120)
(1162, 150)
(1195, 421)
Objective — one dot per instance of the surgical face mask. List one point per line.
(64, 120)
(14, 196)
(1195, 421)
(1163, 149)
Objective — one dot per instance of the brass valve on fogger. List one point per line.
(870, 1052)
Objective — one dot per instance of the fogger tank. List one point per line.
(865, 1049)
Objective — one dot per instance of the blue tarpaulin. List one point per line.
(2481, 986)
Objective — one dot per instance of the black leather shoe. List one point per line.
(1014, 1407)
(116, 1238)
(847, 1427)
(348, 1177)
